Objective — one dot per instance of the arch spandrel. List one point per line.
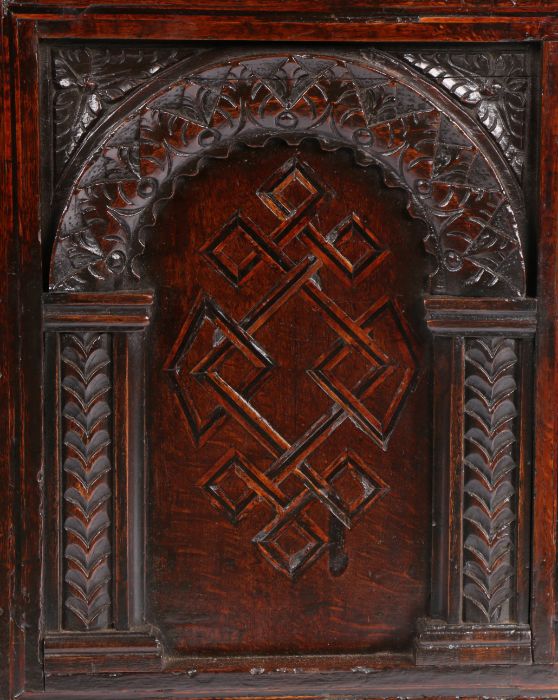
(456, 179)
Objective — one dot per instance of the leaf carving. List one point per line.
(474, 216)
(494, 86)
(89, 82)
(489, 515)
(86, 413)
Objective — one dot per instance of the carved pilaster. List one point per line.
(482, 476)
(95, 483)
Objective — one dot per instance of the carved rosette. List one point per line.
(489, 476)
(86, 435)
(424, 143)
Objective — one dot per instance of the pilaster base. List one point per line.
(442, 644)
(101, 652)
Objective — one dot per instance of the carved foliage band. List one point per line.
(370, 103)
(490, 474)
(86, 427)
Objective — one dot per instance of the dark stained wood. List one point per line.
(245, 27)
(481, 500)
(524, 480)
(458, 316)
(461, 181)
(362, 682)
(8, 374)
(315, 8)
(105, 653)
(451, 645)
(28, 475)
(278, 292)
(125, 311)
(448, 430)
(544, 526)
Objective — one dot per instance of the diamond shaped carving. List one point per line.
(360, 400)
(293, 189)
(227, 487)
(350, 248)
(293, 546)
(356, 485)
(367, 372)
(231, 251)
(188, 374)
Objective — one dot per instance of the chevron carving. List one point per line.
(86, 417)
(489, 515)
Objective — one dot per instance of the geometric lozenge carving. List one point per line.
(367, 372)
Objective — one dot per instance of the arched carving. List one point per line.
(457, 180)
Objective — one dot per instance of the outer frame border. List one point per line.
(23, 25)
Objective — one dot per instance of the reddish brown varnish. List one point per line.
(310, 570)
(278, 366)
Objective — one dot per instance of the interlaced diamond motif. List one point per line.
(293, 545)
(355, 484)
(350, 248)
(228, 488)
(367, 381)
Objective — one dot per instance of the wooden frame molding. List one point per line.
(124, 312)
(79, 303)
(481, 516)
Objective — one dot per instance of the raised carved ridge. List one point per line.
(86, 415)
(90, 81)
(371, 103)
(489, 515)
(493, 84)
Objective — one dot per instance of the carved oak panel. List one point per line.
(287, 366)
(284, 393)
(366, 101)
(289, 211)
